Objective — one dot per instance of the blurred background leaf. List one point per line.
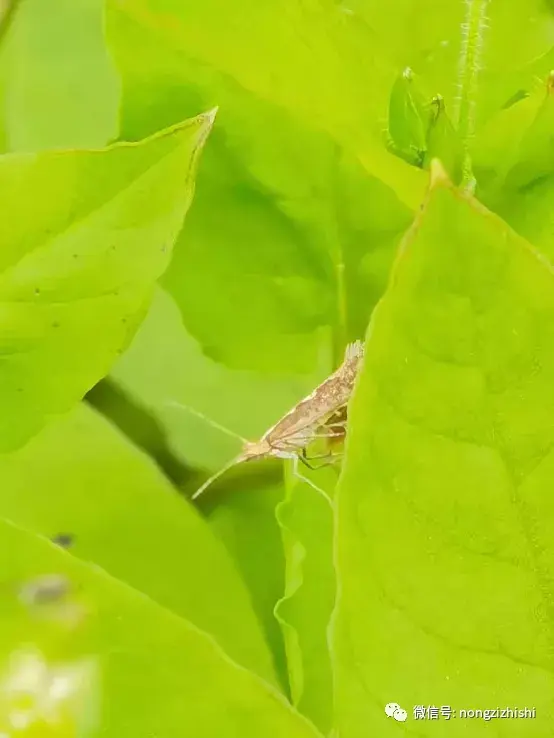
(283, 259)
(82, 478)
(58, 87)
(157, 670)
(518, 176)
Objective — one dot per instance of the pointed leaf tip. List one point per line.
(204, 123)
(210, 115)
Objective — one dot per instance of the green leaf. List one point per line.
(320, 84)
(157, 671)
(278, 280)
(442, 141)
(304, 612)
(85, 235)
(407, 119)
(495, 147)
(421, 34)
(522, 191)
(536, 150)
(445, 519)
(244, 520)
(47, 101)
(81, 477)
(518, 50)
(295, 248)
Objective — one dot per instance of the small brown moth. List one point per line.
(312, 418)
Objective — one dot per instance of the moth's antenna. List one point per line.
(203, 417)
(215, 476)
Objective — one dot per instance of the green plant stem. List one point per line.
(473, 30)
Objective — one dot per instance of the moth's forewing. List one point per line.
(312, 412)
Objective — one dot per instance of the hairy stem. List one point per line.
(473, 30)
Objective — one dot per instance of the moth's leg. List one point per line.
(326, 460)
(305, 459)
(309, 481)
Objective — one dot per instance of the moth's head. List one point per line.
(255, 450)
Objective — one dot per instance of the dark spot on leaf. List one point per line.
(75, 256)
(65, 540)
(55, 324)
(37, 291)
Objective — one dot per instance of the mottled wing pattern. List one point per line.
(314, 410)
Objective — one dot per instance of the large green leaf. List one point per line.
(445, 518)
(303, 232)
(81, 477)
(85, 235)
(57, 84)
(159, 675)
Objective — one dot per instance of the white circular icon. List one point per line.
(393, 709)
